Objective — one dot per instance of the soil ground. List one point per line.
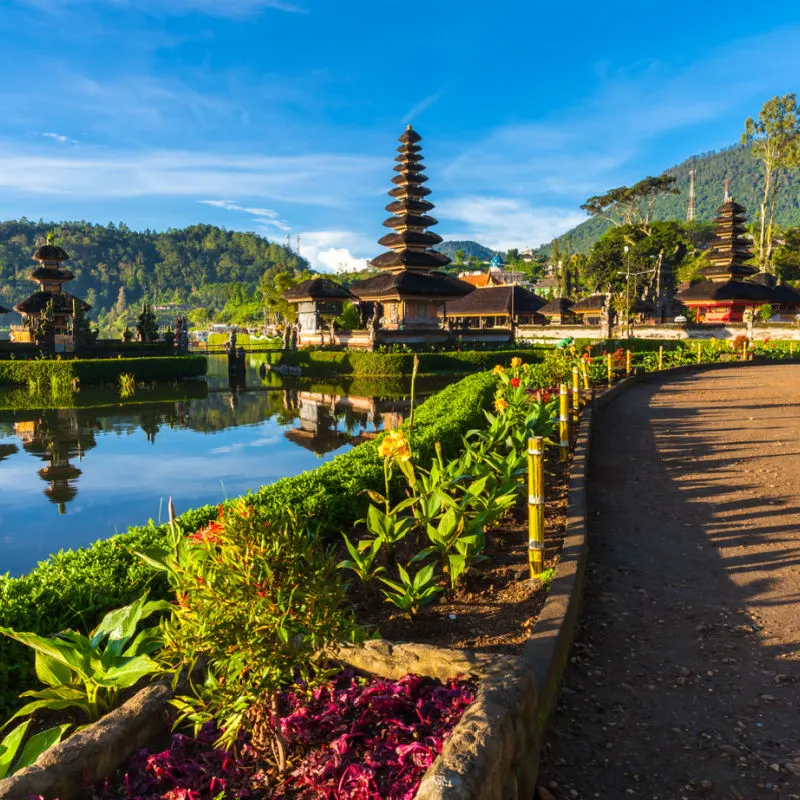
(496, 608)
(685, 678)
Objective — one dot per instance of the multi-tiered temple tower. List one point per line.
(409, 292)
(729, 249)
(51, 314)
(724, 294)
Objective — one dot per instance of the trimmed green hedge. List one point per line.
(61, 373)
(246, 341)
(325, 363)
(75, 588)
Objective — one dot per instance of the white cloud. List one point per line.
(331, 251)
(504, 222)
(265, 216)
(316, 179)
(59, 137)
(423, 105)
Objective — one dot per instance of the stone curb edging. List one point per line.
(95, 752)
(493, 752)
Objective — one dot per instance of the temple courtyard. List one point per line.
(685, 678)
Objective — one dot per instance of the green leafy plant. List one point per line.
(259, 600)
(88, 672)
(410, 594)
(34, 747)
(363, 558)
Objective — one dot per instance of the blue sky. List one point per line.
(282, 115)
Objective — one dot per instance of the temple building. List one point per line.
(724, 293)
(403, 302)
(558, 311)
(319, 301)
(591, 309)
(51, 315)
(495, 307)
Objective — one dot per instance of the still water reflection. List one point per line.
(71, 476)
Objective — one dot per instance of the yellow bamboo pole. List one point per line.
(791, 349)
(536, 505)
(744, 350)
(610, 370)
(563, 420)
(576, 394)
(628, 362)
(585, 370)
(660, 357)
(699, 351)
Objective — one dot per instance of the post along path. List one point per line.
(685, 677)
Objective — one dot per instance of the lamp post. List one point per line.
(628, 275)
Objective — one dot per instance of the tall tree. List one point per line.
(775, 139)
(631, 205)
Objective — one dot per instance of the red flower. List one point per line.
(209, 534)
(515, 382)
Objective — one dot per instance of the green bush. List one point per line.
(246, 341)
(325, 363)
(77, 587)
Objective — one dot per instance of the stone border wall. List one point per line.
(95, 752)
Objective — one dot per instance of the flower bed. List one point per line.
(354, 738)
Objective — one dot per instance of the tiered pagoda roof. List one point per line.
(729, 249)
(317, 289)
(50, 257)
(409, 263)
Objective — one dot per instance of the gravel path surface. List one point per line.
(685, 678)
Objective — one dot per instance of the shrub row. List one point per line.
(246, 341)
(61, 373)
(75, 588)
(324, 363)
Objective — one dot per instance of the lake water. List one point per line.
(71, 476)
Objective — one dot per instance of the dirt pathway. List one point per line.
(685, 678)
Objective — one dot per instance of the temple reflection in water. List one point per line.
(57, 438)
(328, 422)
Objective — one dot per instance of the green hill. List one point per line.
(201, 266)
(746, 187)
(472, 250)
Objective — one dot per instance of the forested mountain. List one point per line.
(472, 250)
(745, 175)
(201, 266)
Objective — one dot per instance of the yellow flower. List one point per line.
(499, 369)
(395, 445)
(500, 405)
(515, 362)
(526, 367)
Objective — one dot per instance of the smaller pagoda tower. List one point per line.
(729, 248)
(408, 293)
(51, 313)
(724, 293)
